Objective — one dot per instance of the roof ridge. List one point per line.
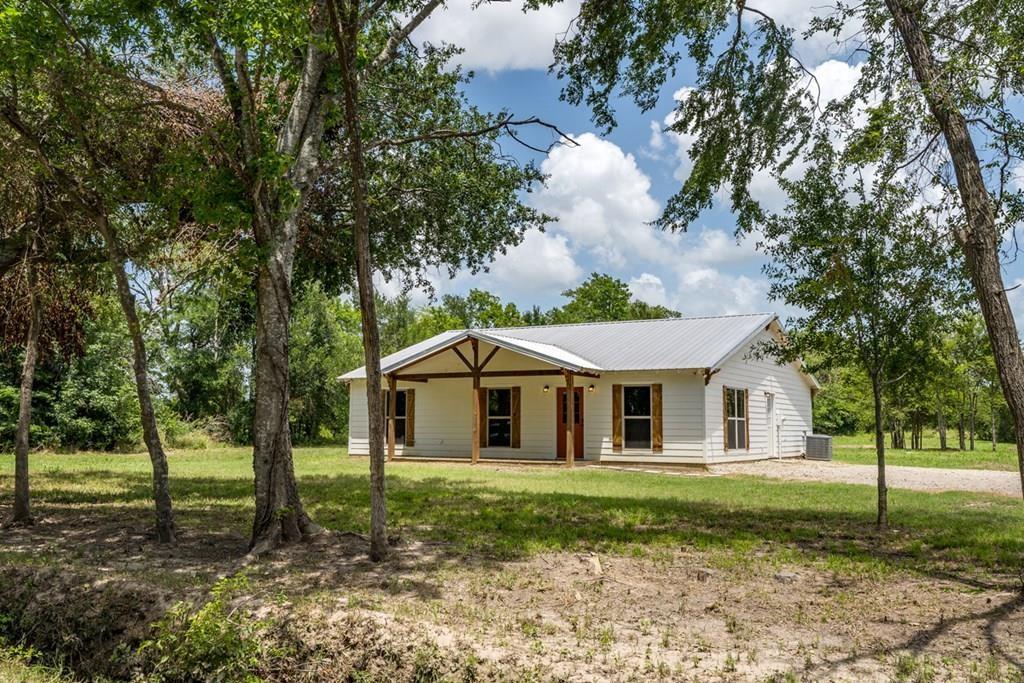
(623, 322)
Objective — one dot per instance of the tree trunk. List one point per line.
(961, 433)
(22, 513)
(980, 238)
(995, 427)
(280, 516)
(973, 417)
(882, 520)
(344, 28)
(150, 433)
(942, 428)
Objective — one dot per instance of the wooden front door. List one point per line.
(562, 415)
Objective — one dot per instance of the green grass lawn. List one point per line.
(508, 512)
(859, 449)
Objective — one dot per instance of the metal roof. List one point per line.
(667, 344)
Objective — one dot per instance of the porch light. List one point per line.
(546, 388)
(591, 388)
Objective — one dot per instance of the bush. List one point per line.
(210, 644)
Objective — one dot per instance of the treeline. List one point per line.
(952, 390)
(201, 342)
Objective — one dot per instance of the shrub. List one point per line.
(213, 643)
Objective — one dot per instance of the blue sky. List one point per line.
(605, 191)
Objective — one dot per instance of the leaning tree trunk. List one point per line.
(882, 520)
(980, 238)
(22, 513)
(150, 433)
(344, 28)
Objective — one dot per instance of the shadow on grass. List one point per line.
(102, 518)
(945, 535)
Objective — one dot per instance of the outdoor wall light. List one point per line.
(546, 388)
(591, 388)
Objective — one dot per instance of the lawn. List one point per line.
(859, 449)
(608, 574)
(511, 512)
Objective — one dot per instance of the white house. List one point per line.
(681, 391)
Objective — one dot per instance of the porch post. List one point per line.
(475, 445)
(570, 420)
(392, 409)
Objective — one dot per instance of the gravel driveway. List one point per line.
(897, 476)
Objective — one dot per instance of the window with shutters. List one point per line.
(735, 418)
(499, 418)
(636, 416)
(400, 413)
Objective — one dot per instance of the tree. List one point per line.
(480, 309)
(355, 29)
(97, 135)
(602, 298)
(934, 76)
(325, 344)
(872, 274)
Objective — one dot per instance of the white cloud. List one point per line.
(540, 264)
(499, 36)
(715, 246)
(649, 288)
(709, 291)
(603, 203)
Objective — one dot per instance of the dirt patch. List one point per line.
(897, 476)
(428, 613)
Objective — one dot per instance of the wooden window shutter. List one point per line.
(657, 439)
(725, 418)
(481, 397)
(516, 417)
(616, 417)
(410, 417)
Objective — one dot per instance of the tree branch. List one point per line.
(390, 50)
(507, 124)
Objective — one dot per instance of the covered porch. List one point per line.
(482, 396)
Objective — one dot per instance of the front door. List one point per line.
(563, 411)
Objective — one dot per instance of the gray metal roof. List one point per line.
(669, 344)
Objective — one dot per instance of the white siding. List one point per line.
(444, 411)
(444, 416)
(760, 376)
(682, 416)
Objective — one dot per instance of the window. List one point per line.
(735, 418)
(636, 415)
(499, 418)
(400, 414)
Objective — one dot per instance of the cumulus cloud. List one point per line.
(498, 36)
(709, 291)
(712, 246)
(603, 203)
(541, 263)
(649, 288)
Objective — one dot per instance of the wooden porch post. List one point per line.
(570, 420)
(392, 409)
(475, 446)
